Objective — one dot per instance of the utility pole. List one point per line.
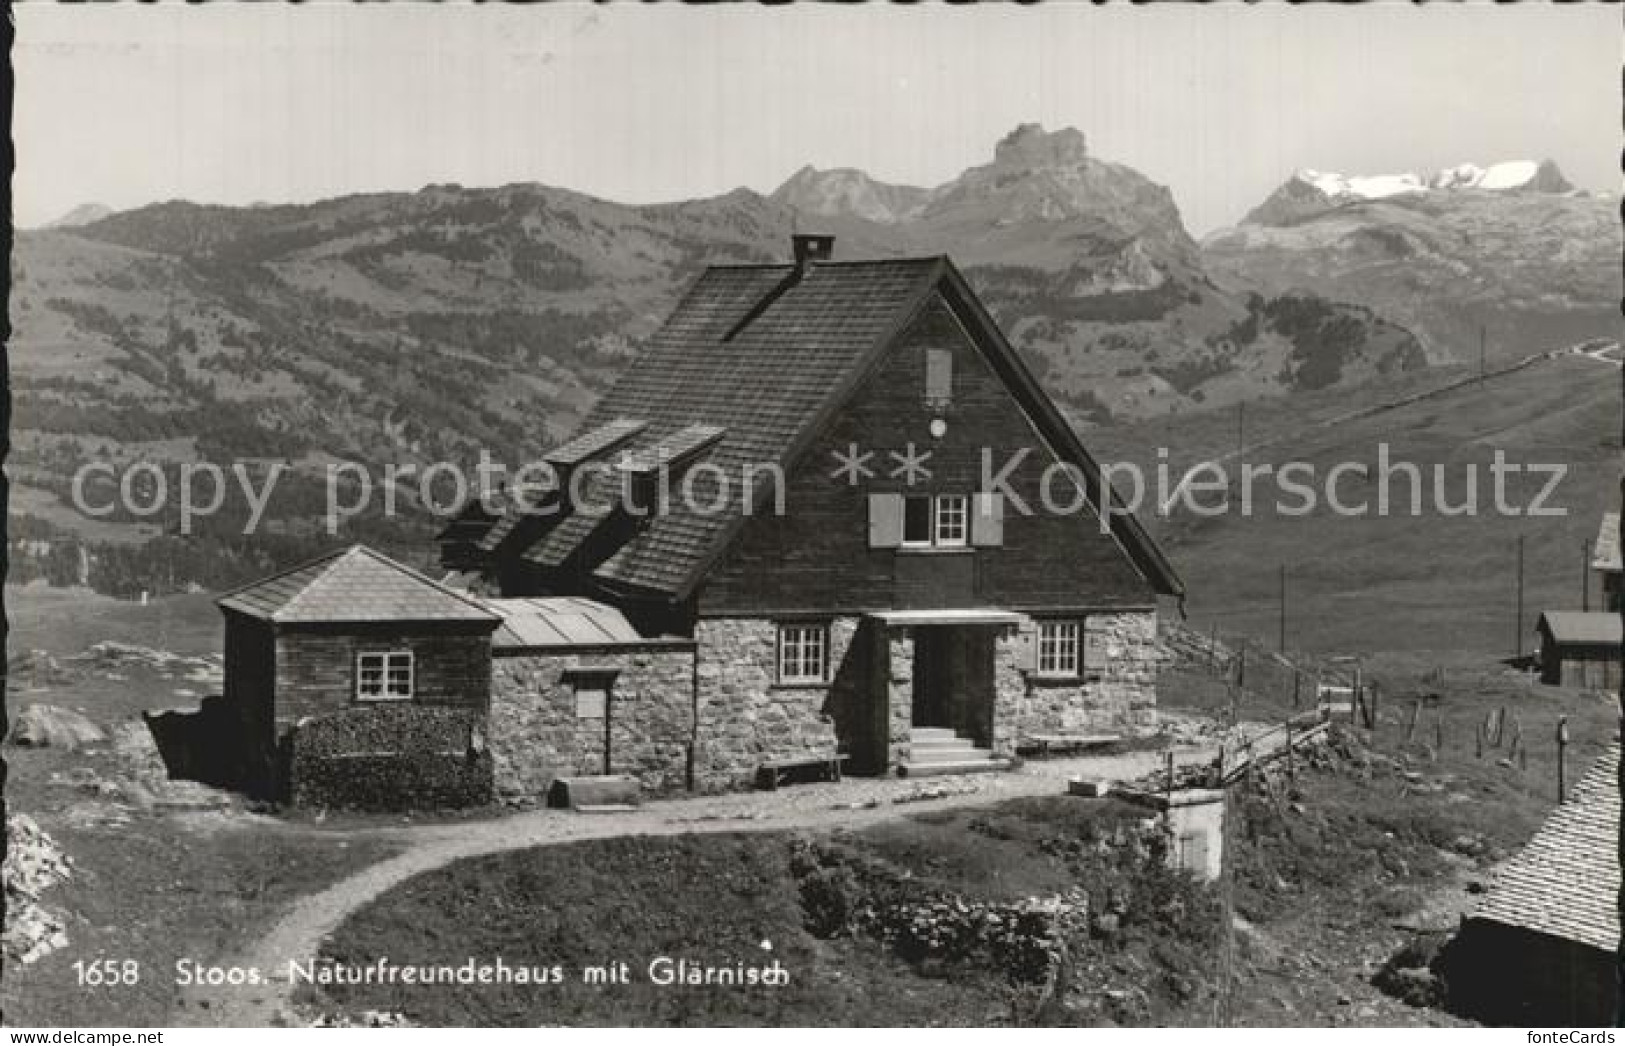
(1241, 427)
(1585, 575)
(1483, 366)
(1282, 646)
(1518, 625)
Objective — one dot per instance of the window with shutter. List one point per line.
(885, 520)
(987, 520)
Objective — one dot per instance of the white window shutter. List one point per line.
(987, 519)
(885, 520)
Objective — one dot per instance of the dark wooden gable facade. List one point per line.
(839, 547)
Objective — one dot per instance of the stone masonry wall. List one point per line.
(1117, 696)
(745, 716)
(537, 735)
(900, 696)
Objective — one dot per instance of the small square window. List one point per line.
(384, 675)
(1058, 648)
(917, 520)
(952, 519)
(803, 653)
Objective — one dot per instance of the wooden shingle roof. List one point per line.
(764, 353)
(1566, 881)
(352, 585)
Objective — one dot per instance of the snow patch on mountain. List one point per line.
(1367, 187)
(1535, 176)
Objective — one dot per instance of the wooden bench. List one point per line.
(775, 772)
(1047, 744)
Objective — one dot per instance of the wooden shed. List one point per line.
(354, 680)
(1580, 650)
(1539, 951)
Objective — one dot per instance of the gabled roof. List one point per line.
(1605, 553)
(1565, 883)
(765, 353)
(1571, 626)
(352, 585)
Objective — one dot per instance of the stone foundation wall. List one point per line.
(1117, 696)
(537, 734)
(900, 694)
(745, 717)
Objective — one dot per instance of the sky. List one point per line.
(125, 104)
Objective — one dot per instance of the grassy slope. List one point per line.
(66, 621)
(722, 896)
(1404, 582)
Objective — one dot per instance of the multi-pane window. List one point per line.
(953, 520)
(384, 675)
(940, 520)
(803, 653)
(1059, 648)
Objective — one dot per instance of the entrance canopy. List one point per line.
(947, 616)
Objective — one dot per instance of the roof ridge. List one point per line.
(304, 564)
(418, 575)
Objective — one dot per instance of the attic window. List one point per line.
(939, 378)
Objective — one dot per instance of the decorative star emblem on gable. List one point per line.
(853, 465)
(911, 464)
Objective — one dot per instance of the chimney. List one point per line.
(811, 247)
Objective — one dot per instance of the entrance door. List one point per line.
(953, 679)
(933, 676)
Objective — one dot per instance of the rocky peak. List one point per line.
(1030, 146)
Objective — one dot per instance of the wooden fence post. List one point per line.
(1562, 759)
(1416, 716)
(1438, 734)
(1478, 740)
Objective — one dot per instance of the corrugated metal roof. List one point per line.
(1571, 626)
(558, 621)
(355, 584)
(1565, 883)
(1605, 553)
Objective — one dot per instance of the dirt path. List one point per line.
(298, 935)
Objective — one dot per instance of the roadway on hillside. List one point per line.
(1600, 350)
(854, 803)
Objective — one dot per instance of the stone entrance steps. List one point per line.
(934, 750)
